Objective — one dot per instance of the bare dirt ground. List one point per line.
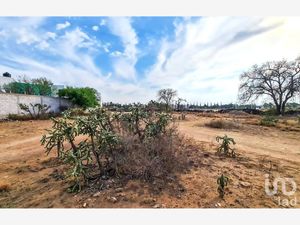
(29, 178)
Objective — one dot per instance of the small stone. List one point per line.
(156, 206)
(237, 201)
(121, 195)
(97, 194)
(104, 177)
(218, 205)
(181, 189)
(84, 205)
(149, 200)
(112, 199)
(117, 190)
(245, 184)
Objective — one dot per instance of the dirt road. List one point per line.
(252, 140)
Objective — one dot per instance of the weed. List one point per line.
(224, 147)
(222, 182)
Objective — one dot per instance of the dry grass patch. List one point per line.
(222, 124)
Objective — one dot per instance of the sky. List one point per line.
(128, 59)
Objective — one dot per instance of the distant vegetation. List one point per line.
(38, 86)
(82, 97)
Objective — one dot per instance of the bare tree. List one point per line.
(167, 96)
(279, 80)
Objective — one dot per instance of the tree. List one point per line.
(42, 81)
(280, 80)
(44, 85)
(82, 97)
(167, 96)
(178, 103)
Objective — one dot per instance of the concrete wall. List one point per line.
(9, 103)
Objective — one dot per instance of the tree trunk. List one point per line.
(283, 109)
(278, 109)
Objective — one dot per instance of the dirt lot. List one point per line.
(29, 178)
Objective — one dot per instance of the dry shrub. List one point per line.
(156, 158)
(25, 117)
(208, 114)
(238, 113)
(222, 124)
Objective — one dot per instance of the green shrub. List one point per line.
(270, 112)
(268, 121)
(82, 97)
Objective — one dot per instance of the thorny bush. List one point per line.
(139, 143)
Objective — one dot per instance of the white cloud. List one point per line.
(103, 22)
(24, 31)
(116, 53)
(43, 45)
(95, 28)
(74, 40)
(61, 26)
(2, 33)
(125, 65)
(106, 47)
(26, 36)
(50, 35)
(207, 56)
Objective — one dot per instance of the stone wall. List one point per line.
(9, 103)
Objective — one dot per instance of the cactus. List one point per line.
(103, 132)
(222, 182)
(224, 147)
